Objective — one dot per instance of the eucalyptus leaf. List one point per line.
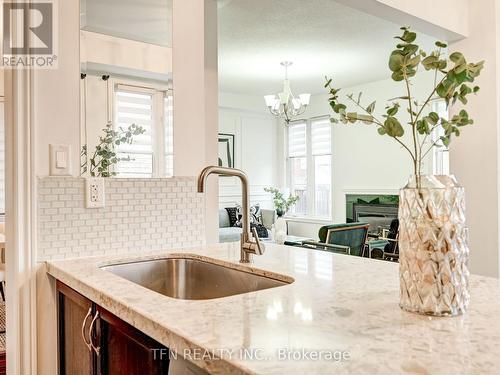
(393, 127)
(371, 107)
(454, 78)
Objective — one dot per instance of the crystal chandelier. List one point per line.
(285, 105)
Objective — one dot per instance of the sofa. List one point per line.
(228, 233)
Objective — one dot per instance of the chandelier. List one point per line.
(285, 105)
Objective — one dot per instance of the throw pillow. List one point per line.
(233, 216)
(261, 230)
(255, 215)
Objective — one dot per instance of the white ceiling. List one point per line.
(321, 37)
(148, 21)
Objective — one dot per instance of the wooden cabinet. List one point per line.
(94, 341)
(74, 311)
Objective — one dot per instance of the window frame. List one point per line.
(310, 167)
(159, 93)
(440, 163)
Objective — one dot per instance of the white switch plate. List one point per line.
(94, 192)
(60, 160)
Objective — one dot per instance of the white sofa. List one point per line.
(227, 233)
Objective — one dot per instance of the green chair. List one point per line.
(349, 238)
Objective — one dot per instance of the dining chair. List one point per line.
(348, 238)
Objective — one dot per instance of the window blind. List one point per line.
(168, 110)
(321, 151)
(297, 140)
(309, 166)
(321, 137)
(135, 107)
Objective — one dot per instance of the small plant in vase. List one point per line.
(281, 204)
(432, 233)
(105, 156)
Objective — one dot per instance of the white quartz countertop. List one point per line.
(344, 309)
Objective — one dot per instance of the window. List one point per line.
(441, 159)
(309, 167)
(151, 153)
(168, 105)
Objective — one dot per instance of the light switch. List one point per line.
(60, 160)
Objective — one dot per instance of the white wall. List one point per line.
(363, 161)
(195, 75)
(474, 156)
(256, 137)
(130, 54)
(445, 19)
(57, 93)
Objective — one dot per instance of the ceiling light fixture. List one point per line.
(285, 105)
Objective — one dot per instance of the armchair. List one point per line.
(349, 238)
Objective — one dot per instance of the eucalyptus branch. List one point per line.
(429, 98)
(375, 120)
(434, 144)
(427, 136)
(404, 63)
(379, 123)
(105, 155)
(416, 160)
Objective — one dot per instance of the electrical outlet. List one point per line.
(94, 192)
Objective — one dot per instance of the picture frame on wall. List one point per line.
(226, 150)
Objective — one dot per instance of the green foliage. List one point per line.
(105, 156)
(280, 202)
(454, 78)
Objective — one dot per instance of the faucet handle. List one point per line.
(260, 248)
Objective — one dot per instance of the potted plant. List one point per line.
(432, 233)
(281, 204)
(105, 156)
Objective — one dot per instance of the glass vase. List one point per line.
(434, 276)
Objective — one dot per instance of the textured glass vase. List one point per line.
(434, 277)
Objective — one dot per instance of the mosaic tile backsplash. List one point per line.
(140, 215)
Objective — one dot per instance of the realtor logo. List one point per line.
(29, 34)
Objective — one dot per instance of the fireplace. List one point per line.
(375, 209)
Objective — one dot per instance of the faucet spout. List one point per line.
(248, 246)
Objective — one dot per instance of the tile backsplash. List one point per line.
(140, 215)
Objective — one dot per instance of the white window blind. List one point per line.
(297, 165)
(297, 139)
(168, 110)
(135, 107)
(309, 167)
(321, 150)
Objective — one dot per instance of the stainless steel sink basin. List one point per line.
(192, 279)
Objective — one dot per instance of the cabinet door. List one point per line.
(125, 350)
(75, 315)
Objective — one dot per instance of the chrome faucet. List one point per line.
(247, 246)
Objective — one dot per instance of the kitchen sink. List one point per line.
(193, 279)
